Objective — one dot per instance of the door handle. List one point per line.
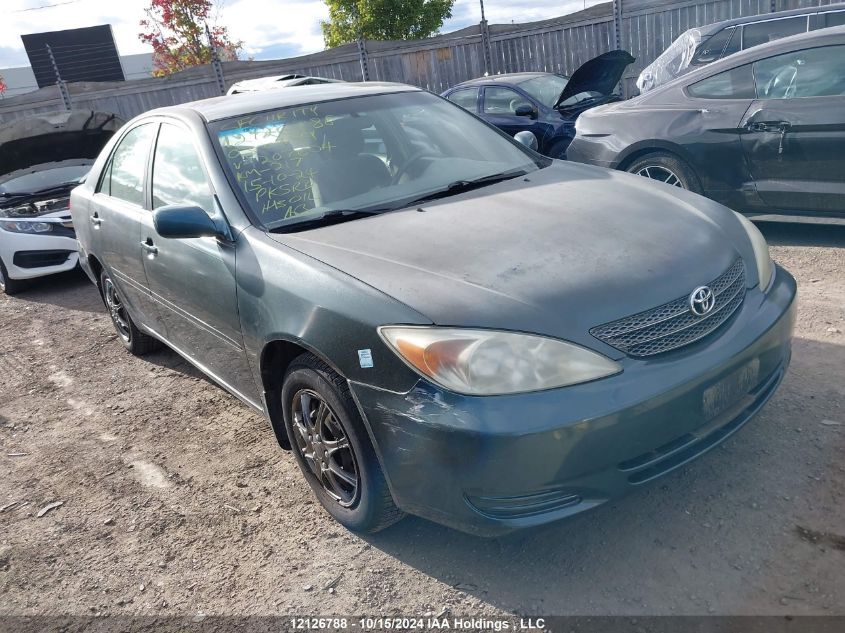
(96, 220)
(152, 249)
(768, 126)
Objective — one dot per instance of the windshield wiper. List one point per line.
(461, 186)
(332, 216)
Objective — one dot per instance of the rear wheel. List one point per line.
(666, 168)
(8, 285)
(133, 339)
(332, 447)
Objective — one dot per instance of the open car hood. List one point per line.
(54, 137)
(600, 74)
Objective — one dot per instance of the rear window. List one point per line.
(771, 30)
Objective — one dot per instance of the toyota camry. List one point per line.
(434, 319)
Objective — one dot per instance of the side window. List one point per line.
(737, 83)
(178, 176)
(711, 49)
(502, 101)
(467, 98)
(762, 32)
(815, 72)
(124, 174)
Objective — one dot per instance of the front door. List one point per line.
(193, 280)
(499, 108)
(794, 133)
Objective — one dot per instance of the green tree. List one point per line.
(383, 19)
(176, 31)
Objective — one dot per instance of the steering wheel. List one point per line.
(406, 166)
(784, 75)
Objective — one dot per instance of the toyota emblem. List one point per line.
(701, 301)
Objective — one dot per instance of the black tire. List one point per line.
(369, 507)
(7, 285)
(133, 339)
(668, 168)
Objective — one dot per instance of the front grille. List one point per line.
(673, 324)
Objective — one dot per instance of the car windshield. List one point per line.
(368, 154)
(545, 88)
(44, 179)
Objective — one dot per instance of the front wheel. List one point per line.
(332, 447)
(8, 285)
(668, 169)
(133, 339)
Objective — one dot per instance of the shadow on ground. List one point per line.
(809, 232)
(72, 290)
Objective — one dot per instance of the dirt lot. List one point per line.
(177, 500)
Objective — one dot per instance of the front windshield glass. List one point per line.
(371, 153)
(545, 89)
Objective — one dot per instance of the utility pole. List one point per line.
(485, 43)
(216, 66)
(59, 82)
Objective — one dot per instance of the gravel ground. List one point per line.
(177, 500)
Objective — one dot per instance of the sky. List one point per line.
(288, 28)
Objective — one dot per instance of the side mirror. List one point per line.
(525, 109)
(176, 221)
(527, 138)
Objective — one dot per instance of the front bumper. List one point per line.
(490, 465)
(28, 255)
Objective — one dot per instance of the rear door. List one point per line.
(794, 139)
(116, 210)
(193, 280)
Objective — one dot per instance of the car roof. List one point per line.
(507, 78)
(227, 106)
(830, 36)
(710, 29)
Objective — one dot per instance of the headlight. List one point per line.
(488, 362)
(765, 265)
(27, 227)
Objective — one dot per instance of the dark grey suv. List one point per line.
(433, 318)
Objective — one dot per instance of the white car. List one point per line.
(36, 232)
(277, 81)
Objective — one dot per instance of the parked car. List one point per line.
(760, 131)
(450, 325)
(41, 159)
(277, 81)
(706, 44)
(544, 104)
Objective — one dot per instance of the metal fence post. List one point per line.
(362, 57)
(617, 23)
(59, 81)
(216, 66)
(485, 42)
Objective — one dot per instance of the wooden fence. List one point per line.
(643, 27)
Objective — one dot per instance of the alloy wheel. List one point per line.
(117, 310)
(662, 174)
(325, 447)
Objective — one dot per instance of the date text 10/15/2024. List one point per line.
(417, 623)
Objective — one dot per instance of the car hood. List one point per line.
(566, 249)
(600, 74)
